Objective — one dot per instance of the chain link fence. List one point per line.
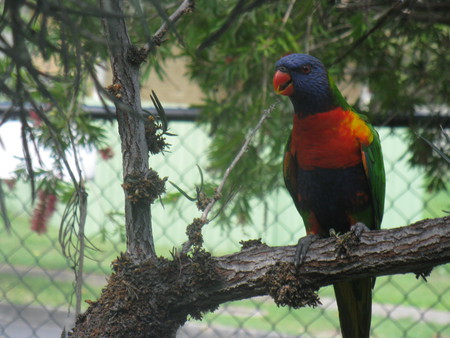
(37, 282)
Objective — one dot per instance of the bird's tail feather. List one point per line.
(354, 300)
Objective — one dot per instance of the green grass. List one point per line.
(22, 247)
(38, 291)
(407, 328)
(273, 318)
(316, 322)
(407, 290)
(35, 290)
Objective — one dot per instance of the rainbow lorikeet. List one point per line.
(333, 169)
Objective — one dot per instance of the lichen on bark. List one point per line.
(151, 299)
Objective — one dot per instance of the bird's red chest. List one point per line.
(329, 140)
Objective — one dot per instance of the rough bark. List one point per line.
(415, 248)
(125, 91)
(154, 298)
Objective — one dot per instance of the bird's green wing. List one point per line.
(374, 167)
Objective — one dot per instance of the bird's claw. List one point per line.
(345, 242)
(333, 233)
(358, 228)
(302, 248)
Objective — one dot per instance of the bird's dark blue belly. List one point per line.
(334, 196)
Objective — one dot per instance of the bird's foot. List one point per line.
(350, 238)
(333, 233)
(302, 248)
(358, 228)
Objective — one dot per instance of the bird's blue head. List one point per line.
(305, 80)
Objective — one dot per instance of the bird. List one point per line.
(333, 169)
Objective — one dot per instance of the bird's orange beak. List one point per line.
(282, 83)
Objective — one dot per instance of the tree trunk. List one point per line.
(125, 91)
(154, 298)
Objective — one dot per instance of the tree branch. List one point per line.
(186, 6)
(416, 248)
(192, 285)
(125, 91)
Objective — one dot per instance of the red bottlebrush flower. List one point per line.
(106, 153)
(38, 221)
(44, 209)
(36, 119)
(51, 205)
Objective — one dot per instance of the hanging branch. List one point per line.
(82, 209)
(394, 10)
(199, 223)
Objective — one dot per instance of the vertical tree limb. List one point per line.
(126, 91)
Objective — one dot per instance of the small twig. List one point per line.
(82, 196)
(288, 13)
(187, 6)
(244, 148)
(394, 10)
(240, 154)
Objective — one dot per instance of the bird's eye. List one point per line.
(305, 69)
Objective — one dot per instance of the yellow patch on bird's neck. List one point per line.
(358, 127)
